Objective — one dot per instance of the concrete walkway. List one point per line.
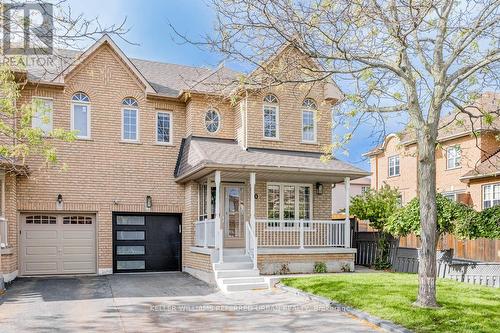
(167, 302)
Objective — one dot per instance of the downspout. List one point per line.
(246, 121)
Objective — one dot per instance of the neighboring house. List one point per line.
(169, 173)
(467, 165)
(467, 170)
(356, 187)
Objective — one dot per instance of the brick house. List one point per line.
(174, 169)
(467, 165)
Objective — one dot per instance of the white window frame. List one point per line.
(3, 222)
(81, 103)
(458, 155)
(171, 128)
(447, 194)
(281, 205)
(51, 123)
(205, 120)
(129, 108)
(365, 188)
(493, 198)
(277, 111)
(396, 158)
(315, 127)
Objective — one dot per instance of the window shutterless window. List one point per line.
(288, 202)
(271, 117)
(491, 195)
(43, 114)
(308, 120)
(80, 115)
(453, 157)
(394, 166)
(164, 127)
(130, 120)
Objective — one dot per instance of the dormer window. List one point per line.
(271, 117)
(309, 110)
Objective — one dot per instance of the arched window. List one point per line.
(130, 120)
(80, 115)
(309, 121)
(212, 121)
(270, 117)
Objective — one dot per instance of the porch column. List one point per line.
(218, 230)
(252, 200)
(347, 230)
(208, 204)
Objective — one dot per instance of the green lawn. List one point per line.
(464, 307)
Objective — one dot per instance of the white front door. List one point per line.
(233, 212)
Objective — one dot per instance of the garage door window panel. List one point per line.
(130, 235)
(131, 264)
(130, 220)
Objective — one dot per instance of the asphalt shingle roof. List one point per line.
(199, 151)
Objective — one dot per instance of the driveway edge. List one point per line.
(385, 324)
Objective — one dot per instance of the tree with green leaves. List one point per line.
(411, 59)
(377, 206)
(454, 218)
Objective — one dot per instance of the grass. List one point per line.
(464, 307)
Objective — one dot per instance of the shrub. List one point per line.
(320, 267)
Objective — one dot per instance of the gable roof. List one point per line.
(104, 40)
(197, 153)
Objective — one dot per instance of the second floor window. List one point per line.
(130, 120)
(394, 166)
(491, 195)
(453, 157)
(80, 115)
(164, 127)
(212, 121)
(42, 117)
(308, 120)
(271, 117)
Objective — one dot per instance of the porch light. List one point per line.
(59, 198)
(319, 188)
(149, 202)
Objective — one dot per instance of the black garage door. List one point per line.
(146, 243)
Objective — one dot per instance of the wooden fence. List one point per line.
(487, 250)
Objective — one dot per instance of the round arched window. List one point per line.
(212, 121)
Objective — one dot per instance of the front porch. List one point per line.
(273, 223)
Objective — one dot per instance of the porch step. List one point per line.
(240, 280)
(246, 286)
(228, 273)
(234, 265)
(237, 258)
(234, 251)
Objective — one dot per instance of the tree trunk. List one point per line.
(428, 219)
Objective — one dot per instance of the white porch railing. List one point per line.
(204, 234)
(300, 233)
(251, 244)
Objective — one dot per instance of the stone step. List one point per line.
(239, 280)
(236, 273)
(245, 286)
(234, 265)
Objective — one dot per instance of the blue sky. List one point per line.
(149, 24)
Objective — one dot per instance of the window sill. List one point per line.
(161, 144)
(272, 140)
(314, 143)
(131, 142)
(394, 176)
(455, 168)
(84, 139)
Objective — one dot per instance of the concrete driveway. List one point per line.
(166, 302)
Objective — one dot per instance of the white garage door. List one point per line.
(58, 244)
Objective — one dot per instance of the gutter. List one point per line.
(492, 174)
(270, 168)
